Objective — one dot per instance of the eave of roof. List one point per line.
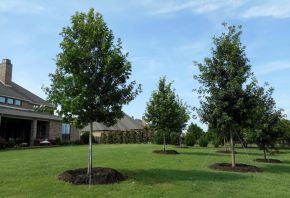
(21, 113)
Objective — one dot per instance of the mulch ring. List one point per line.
(166, 152)
(244, 168)
(100, 175)
(226, 152)
(268, 160)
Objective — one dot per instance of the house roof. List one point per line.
(124, 124)
(22, 113)
(18, 92)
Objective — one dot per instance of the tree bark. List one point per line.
(232, 150)
(164, 143)
(225, 144)
(265, 156)
(90, 162)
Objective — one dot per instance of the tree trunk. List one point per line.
(232, 150)
(265, 156)
(90, 163)
(164, 142)
(225, 144)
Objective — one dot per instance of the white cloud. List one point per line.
(195, 6)
(239, 8)
(272, 67)
(18, 6)
(276, 9)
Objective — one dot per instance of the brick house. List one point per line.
(18, 118)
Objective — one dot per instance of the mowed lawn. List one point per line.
(33, 173)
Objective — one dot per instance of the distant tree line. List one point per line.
(127, 137)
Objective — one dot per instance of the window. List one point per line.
(65, 129)
(17, 102)
(65, 132)
(10, 101)
(2, 100)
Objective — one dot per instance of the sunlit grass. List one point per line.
(33, 173)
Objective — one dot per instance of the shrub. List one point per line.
(174, 138)
(216, 140)
(85, 137)
(215, 143)
(203, 142)
(10, 143)
(119, 137)
(189, 139)
(114, 137)
(132, 137)
(52, 142)
(3, 143)
(139, 137)
(110, 138)
(58, 141)
(36, 142)
(126, 137)
(104, 138)
(78, 142)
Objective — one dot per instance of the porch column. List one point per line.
(33, 132)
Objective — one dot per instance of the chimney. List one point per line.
(6, 72)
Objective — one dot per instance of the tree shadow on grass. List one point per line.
(153, 176)
(250, 153)
(200, 153)
(283, 161)
(275, 168)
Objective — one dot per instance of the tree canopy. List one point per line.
(223, 80)
(91, 79)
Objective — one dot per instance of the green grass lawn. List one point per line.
(33, 173)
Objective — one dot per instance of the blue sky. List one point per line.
(163, 38)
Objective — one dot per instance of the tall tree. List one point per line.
(90, 81)
(223, 79)
(165, 112)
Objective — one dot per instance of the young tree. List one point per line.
(189, 139)
(284, 128)
(165, 112)
(91, 79)
(223, 79)
(195, 130)
(266, 119)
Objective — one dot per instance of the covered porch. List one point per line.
(24, 128)
(23, 131)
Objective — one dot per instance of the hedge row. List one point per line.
(127, 137)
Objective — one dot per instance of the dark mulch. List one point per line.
(268, 160)
(99, 176)
(238, 168)
(225, 152)
(166, 152)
